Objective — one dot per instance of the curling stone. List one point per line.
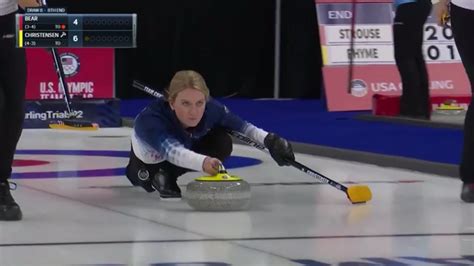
(222, 192)
(449, 108)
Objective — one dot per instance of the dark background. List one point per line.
(231, 43)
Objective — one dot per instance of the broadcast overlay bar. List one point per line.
(50, 30)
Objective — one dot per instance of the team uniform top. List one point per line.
(158, 135)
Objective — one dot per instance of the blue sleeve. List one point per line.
(231, 121)
(226, 118)
(151, 128)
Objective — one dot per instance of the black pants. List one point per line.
(12, 93)
(217, 143)
(408, 40)
(462, 21)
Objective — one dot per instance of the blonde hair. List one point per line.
(185, 79)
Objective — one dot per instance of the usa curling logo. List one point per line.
(70, 64)
(358, 88)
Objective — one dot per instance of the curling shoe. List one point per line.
(467, 193)
(166, 186)
(9, 209)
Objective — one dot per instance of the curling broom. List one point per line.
(356, 194)
(72, 122)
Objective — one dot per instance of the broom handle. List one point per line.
(62, 78)
(350, 75)
(253, 143)
(293, 163)
(317, 175)
(59, 70)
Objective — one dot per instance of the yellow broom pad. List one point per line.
(67, 127)
(359, 194)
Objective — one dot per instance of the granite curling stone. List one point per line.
(222, 192)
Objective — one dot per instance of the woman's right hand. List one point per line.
(211, 165)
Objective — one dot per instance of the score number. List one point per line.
(433, 33)
(74, 37)
(75, 29)
(439, 44)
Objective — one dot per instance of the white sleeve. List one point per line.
(255, 133)
(172, 151)
(178, 155)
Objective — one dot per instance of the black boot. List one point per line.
(467, 193)
(140, 178)
(166, 185)
(9, 209)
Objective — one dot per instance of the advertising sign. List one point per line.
(375, 71)
(89, 73)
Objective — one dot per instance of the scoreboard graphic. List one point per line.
(53, 27)
(375, 71)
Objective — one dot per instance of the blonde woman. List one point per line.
(186, 132)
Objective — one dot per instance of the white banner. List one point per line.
(340, 34)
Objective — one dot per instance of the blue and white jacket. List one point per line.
(158, 135)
